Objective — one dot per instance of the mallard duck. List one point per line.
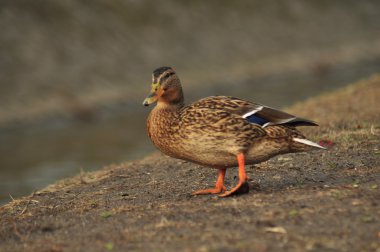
(219, 131)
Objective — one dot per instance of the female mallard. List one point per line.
(219, 131)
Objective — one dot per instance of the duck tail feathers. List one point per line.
(308, 142)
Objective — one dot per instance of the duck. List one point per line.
(220, 132)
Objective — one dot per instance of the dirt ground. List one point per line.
(318, 201)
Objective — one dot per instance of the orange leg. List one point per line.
(219, 186)
(242, 186)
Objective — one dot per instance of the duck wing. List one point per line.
(252, 112)
(201, 120)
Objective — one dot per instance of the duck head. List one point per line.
(166, 88)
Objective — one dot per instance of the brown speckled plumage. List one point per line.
(214, 130)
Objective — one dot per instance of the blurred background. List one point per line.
(73, 74)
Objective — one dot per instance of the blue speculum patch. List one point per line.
(257, 120)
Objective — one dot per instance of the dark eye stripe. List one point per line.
(166, 76)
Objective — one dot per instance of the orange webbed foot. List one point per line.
(219, 186)
(210, 191)
(242, 186)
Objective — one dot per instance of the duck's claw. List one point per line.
(238, 189)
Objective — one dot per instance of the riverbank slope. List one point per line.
(317, 201)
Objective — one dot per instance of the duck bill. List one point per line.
(152, 96)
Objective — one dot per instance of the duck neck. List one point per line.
(167, 113)
(163, 121)
(169, 106)
(179, 102)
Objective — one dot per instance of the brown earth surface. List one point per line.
(317, 201)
